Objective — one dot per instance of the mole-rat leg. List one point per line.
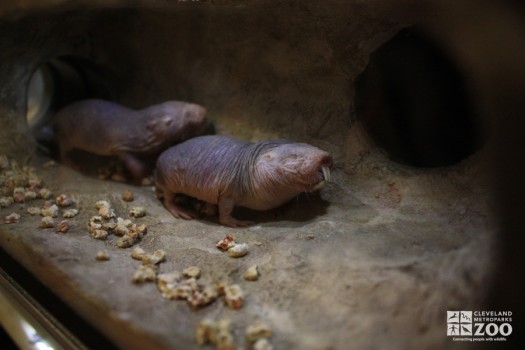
(136, 167)
(225, 210)
(65, 158)
(174, 209)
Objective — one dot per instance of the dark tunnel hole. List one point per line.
(415, 104)
(57, 83)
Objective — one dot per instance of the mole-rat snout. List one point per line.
(195, 114)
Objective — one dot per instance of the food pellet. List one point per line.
(192, 271)
(238, 250)
(63, 226)
(137, 212)
(138, 253)
(50, 211)
(34, 210)
(70, 213)
(64, 201)
(12, 218)
(251, 273)
(46, 222)
(102, 256)
(128, 196)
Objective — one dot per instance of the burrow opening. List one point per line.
(415, 103)
(57, 83)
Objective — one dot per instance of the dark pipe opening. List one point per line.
(59, 82)
(414, 102)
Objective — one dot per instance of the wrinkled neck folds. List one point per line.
(141, 135)
(260, 180)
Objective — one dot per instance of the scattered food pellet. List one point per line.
(234, 296)
(95, 223)
(262, 344)
(109, 225)
(185, 289)
(70, 213)
(50, 211)
(128, 196)
(106, 212)
(129, 232)
(137, 212)
(125, 242)
(12, 218)
(46, 222)
(226, 243)
(63, 226)
(192, 271)
(251, 273)
(257, 330)
(238, 250)
(235, 250)
(29, 195)
(145, 273)
(34, 182)
(218, 333)
(123, 226)
(173, 286)
(6, 201)
(204, 295)
(224, 334)
(45, 193)
(102, 256)
(168, 281)
(138, 253)
(34, 210)
(48, 203)
(99, 234)
(102, 203)
(19, 194)
(142, 229)
(64, 201)
(206, 332)
(157, 257)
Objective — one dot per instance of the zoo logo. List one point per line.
(459, 323)
(474, 324)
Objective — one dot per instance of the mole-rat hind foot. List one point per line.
(168, 199)
(180, 213)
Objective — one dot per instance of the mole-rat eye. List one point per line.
(167, 120)
(268, 157)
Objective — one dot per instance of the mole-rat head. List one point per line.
(180, 120)
(299, 165)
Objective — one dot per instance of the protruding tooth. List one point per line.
(319, 185)
(326, 173)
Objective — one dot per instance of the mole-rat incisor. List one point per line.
(229, 172)
(108, 129)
